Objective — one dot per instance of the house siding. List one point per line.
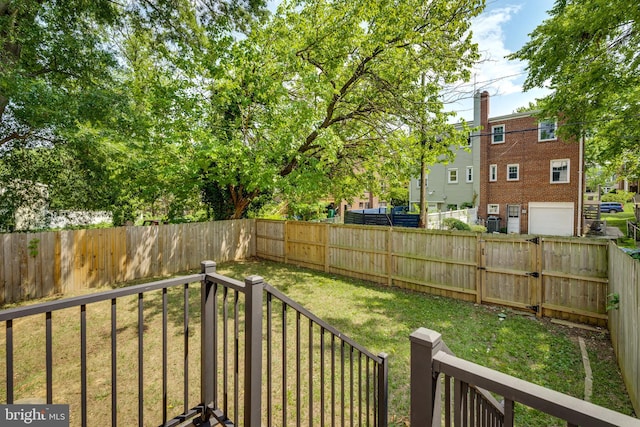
(534, 158)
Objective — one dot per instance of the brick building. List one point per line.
(531, 181)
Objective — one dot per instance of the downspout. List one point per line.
(580, 178)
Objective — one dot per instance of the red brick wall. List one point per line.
(521, 147)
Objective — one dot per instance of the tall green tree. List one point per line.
(587, 52)
(324, 98)
(99, 87)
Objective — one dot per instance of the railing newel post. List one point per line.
(425, 407)
(254, 286)
(207, 360)
(383, 390)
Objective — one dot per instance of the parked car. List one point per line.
(611, 207)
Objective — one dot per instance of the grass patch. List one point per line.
(380, 318)
(620, 219)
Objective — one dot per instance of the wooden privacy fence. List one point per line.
(33, 265)
(557, 277)
(624, 318)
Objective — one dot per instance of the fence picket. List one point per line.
(572, 273)
(66, 261)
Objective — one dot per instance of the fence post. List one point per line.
(383, 391)
(390, 256)
(253, 351)
(424, 384)
(207, 325)
(285, 243)
(327, 233)
(481, 261)
(539, 281)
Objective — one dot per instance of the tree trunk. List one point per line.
(240, 206)
(4, 101)
(422, 222)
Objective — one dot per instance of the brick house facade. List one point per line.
(529, 178)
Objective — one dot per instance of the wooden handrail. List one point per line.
(429, 353)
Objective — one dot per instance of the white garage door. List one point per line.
(548, 218)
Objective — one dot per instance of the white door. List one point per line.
(551, 218)
(513, 219)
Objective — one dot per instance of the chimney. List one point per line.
(484, 109)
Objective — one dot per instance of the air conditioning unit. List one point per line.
(493, 224)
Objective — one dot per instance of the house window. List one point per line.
(547, 130)
(493, 172)
(493, 209)
(469, 173)
(559, 171)
(497, 134)
(426, 182)
(452, 176)
(513, 172)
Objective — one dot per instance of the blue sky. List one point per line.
(503, 28)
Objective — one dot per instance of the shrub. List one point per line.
(619, 196)
(455, 224)
(479, 228)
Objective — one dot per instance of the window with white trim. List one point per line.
(547, 130)
(493, 209)
(513, 172)
(452, 176)
(560, 171)
(469, 173)
(426, 182)
(493, 173)
(497, 134)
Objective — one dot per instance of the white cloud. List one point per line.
(494, 72)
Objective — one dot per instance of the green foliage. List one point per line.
(97, 102)
(156, 107)
(318, 100)
(587, 50)
(613, 301)
(398, 195)
(33, 247)
(618, 196)
(531, 107)
(308, 211)
(455, 224)
(478, 228)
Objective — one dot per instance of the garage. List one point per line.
(551, 218)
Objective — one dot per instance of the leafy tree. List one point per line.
(92, 97)
(588, 52)
(324, 97)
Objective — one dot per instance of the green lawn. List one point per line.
(382, 318)
(620, 220)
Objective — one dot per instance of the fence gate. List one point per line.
(510, 272)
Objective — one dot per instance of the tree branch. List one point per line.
(331, 107)
(14, 136)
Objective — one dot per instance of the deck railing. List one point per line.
(298, 369)
(432, 362)
(306, 371)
